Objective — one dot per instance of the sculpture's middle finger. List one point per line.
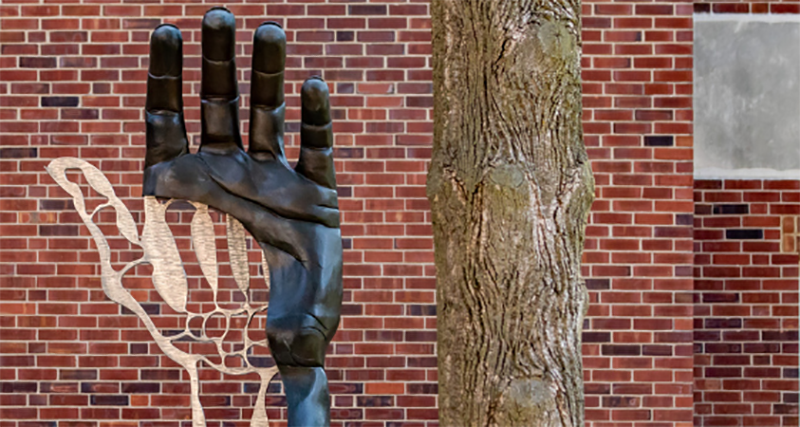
(219, 87)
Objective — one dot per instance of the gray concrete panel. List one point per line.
(746, 97)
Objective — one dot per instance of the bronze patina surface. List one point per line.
(292, 213)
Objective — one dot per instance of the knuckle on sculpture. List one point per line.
(297, 346)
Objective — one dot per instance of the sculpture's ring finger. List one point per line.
(267, 107)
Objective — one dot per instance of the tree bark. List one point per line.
(510, 189)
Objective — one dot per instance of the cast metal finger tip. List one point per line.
(222, 8)
(219, 18)
(167, 24)
(314, 95)
(219, 34)
(270, 32)
(166, 33)
(314, 86)
(166, 45)
(269, 48)
(272, 23)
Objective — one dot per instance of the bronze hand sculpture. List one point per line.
(292, 213)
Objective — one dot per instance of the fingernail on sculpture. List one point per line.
(292, 213)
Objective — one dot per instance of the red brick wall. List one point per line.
(746, 310)
(73, 85)
(638, 124)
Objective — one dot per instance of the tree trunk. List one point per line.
(510, 189)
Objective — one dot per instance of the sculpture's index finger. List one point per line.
(316, 136)
(267, 108)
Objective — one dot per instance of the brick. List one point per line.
(658, 141)
(60, 101)
(109, 400)
(37, 62)
(744, 234)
